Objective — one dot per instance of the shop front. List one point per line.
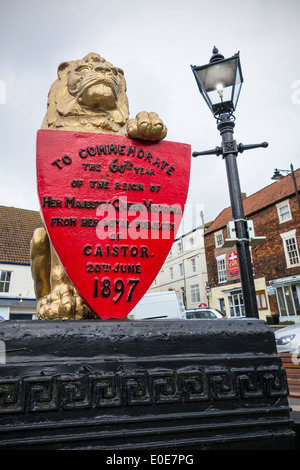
(287, 291)
(230, 299)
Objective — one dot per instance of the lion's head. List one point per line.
(89, 95)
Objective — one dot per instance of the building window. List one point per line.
(181, 269)
(195, 293)
(236, 304)
(222, 306)
(284, 212)
(5, 277)
(193, 261)
(288, 299)
(20, 316)
(183, 295)
(219, 239)
(221, 267)
(261, 300)
(281, 302)
(290, 248)
(171, 273)
(192, 241)
(179, 246)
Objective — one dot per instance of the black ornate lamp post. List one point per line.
(278, 176)
(220, 83)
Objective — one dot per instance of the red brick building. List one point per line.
(276, 262)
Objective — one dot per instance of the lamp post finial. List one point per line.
(216, 55)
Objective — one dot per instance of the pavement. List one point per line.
(295, 416)
(295, 406)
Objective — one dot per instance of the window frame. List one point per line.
(195, 293)
(193, 265)
(261, 299)
(236, 304)
(219, 233)
(5, 281)
(279, 206)
(291, 235)
(221, 259)
(181, 272)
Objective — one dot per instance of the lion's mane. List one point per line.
(66, 112)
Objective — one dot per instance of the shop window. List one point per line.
(288, 299)
(261, 300)
(236, 304)
(222, 306)
(20, 316)
(281, 302)
(295, 288)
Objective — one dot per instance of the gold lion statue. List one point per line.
(89, 95)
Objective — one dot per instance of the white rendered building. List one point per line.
(17, 297)
(185, 269)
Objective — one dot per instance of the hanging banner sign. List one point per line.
(112, 207)
(233, 265)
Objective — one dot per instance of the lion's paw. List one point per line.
(64, 303)
(146, 126)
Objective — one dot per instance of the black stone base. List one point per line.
(178, 385)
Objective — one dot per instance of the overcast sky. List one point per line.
(155, 42)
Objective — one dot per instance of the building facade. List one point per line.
(185, 269)
(275, 263)
(17, 296)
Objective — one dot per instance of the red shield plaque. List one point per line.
(112, 207)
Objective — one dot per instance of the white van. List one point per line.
(159, 306)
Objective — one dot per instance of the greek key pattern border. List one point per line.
(142, 387)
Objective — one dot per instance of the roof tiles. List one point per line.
(16, 230)
(265, 197)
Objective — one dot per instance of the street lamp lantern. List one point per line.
(278, 176)
(220, 82)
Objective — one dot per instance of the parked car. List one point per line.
(288, 338)
(204, 313)
(159, 306)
